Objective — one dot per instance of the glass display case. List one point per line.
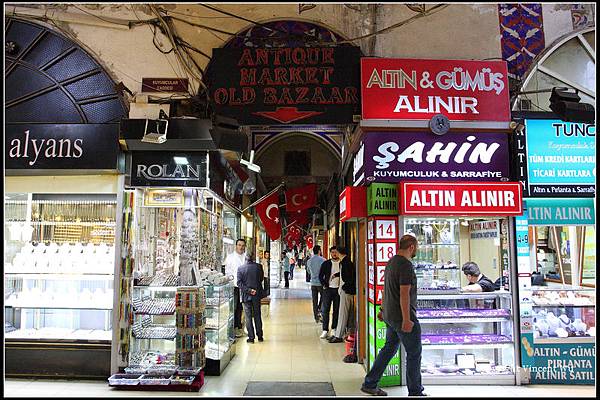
(59, 267)
(220, 334)
(231, 231)
(563, 314)
(438, 255)
(467, 337)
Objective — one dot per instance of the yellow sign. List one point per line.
(164, 197)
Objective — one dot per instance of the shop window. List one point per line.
(297, 163)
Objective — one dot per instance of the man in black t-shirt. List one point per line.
(399, 312)
(478, 282)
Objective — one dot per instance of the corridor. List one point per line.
(291, 352)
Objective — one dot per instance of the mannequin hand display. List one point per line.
(407, 326)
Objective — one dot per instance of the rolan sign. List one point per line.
(169, 169)
(168, 173)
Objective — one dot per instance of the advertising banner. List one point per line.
(412, 89)
(30, 147)
(353, 203)
(561, 158)
(168, 169)
(382, 199)
(308, 85)
(471, 198)
(396, 156)
(561, 211)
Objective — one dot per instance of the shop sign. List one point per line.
(394, 156)
(353, 203)
(484, 230)
(382, 199)
(561, 158)
(154, 168)
(558, 363)
(472, 198)
(411, 89)
(561, 211)
(61, 146)
(175, 85)
(164, 197)
(358, 166)
(308, 85)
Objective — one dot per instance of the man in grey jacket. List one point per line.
(250, 281)
(313, 267)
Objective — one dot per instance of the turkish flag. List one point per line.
(295, 232)
(299, 218)
(301, 198)
(309, 242)
(268, 212)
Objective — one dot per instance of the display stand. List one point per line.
(171, 387)
(220, 336)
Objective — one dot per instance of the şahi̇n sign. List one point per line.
(316, 85)
(408, 89)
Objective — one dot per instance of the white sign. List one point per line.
(380, 275)
(385, 251)
(371, 274)
(386, 230)
(370, 251)
(370, 230)
(484, 230)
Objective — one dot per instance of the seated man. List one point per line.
(477, 281)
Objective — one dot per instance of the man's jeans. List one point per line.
(252, 310)
(317, 299)
(412, 345)
(330, 295)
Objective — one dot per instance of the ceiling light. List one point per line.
(181, 160)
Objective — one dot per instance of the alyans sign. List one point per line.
(409, 89)
(393, 156)
(61, 146)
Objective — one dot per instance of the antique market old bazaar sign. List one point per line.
(410, 89)
(405, 156)
(470, 198)
(308, 85)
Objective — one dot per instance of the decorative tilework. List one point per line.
(522, 33)
(581, 16)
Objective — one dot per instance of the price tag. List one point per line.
(371, 294)
(386, 229)
(370, 230)
(385, 251)
(371, 274)
(370, 250)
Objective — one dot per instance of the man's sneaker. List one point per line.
(249, 340)
(334, 339)
(373, 392)
(324, 335)
(239, 333)
(260, 339)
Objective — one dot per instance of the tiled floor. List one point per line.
(292, 351)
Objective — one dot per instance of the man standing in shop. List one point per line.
(232, 263)
(286, 269)
(346, 291)
(478, 282)
(399, 312)
(313, 267)
(329, 276)
(250, 281)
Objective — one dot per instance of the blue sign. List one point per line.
(559, 363)
(561, 158)
(561, 211)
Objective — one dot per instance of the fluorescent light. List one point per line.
(181, 160)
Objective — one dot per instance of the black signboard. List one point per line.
(33, 147)
(306, 85)
(167, 169)
(223, 179)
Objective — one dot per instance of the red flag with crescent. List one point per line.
(295, 232)
(301, 198)
(309, 242)
(268, 212)
(299, 218)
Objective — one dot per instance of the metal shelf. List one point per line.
(563, 305)
(466, 346)
(65, 276)
(567, 340)
(73, 307)
(458, 320)
(463, 296)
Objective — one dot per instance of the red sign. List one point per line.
(353, 203)
(409, 89)
(177, 85)
(470, 198)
